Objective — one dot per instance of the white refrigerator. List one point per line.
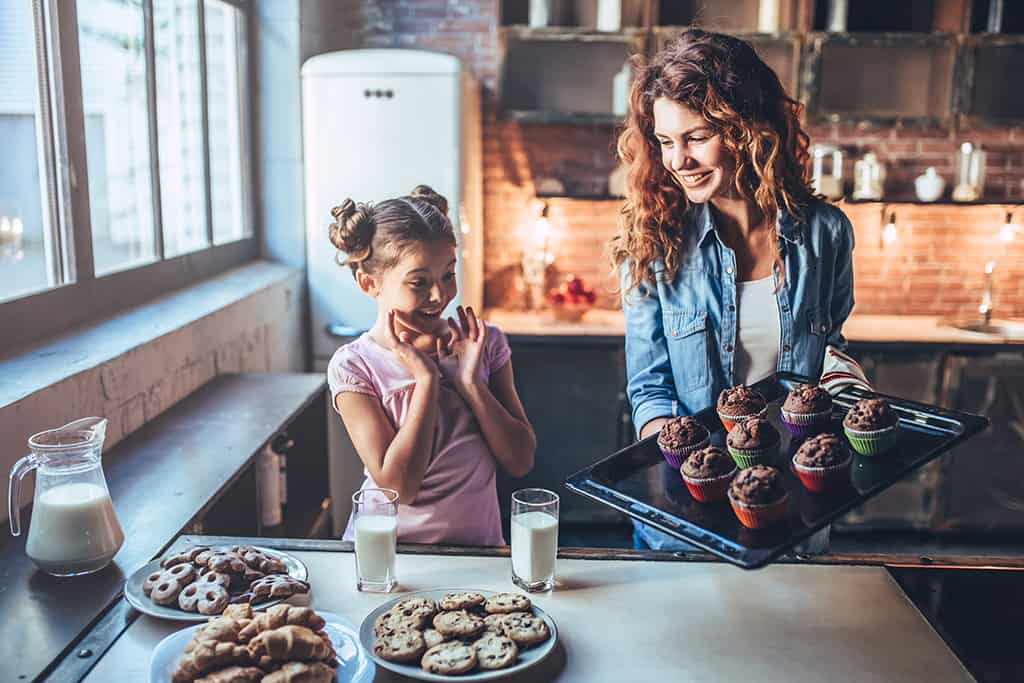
(376, 123)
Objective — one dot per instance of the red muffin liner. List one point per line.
(710, 489)
(730, 421)
(823, 478)
(760, 516)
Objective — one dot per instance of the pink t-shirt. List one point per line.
(458, 500)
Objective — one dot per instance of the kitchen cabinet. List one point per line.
(981, 98)
(565, 76)
(944, 61)
(909, 504)
(977, 488)
(573, 393)
(842, 75)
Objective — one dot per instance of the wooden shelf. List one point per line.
(572, 34)
(582, 198)
(942, 202)
(562, 117)
(927, 56)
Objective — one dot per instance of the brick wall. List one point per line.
(934, 268)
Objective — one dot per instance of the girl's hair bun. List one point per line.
(352, 230)
(427, 194)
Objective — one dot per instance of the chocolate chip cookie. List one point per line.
(432, 637)
(525, 629)
(449, 659)
(392, 621)
(403, 645)
(504, 603)
(457, 601)
(495, 651)
(458, 624)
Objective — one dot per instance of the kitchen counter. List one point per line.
(628, 620)
(859, 329)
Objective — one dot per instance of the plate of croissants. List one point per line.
(285, 644)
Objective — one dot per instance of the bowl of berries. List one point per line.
(571, 299)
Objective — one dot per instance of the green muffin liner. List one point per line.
(748, 457)
(875, 442)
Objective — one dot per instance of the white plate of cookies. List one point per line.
(200, 582)
(472, 635)
(284, 643)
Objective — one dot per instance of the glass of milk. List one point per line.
(534, 539)
(376, 525)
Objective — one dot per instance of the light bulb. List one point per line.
(17, 227)
(541, 230)
(5, 224)
(1006, 233)
(889, 234)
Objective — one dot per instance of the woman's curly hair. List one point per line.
(723, 79)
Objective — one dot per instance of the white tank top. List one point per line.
(758, 331)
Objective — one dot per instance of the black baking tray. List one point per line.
(639, 482)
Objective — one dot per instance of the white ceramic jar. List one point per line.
(929, 185)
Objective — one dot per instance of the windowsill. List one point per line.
(85, 348)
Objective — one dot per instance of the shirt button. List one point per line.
(728, 348)
(785, 308)
(731, 308)
(822, 328)
(729, 270)
(786, 347)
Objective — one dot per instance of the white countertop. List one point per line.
(646, 621)
(864, 328)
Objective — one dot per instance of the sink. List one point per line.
(1010, 329)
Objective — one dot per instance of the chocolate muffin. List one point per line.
(741, 401)
(871, 426)
(823, 450)
(707, 463)
(753, 434)
(681, 432)
(869, 415)
(757, 485)
(806, 399)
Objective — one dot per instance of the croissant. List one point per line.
(233, 674)
(220, 629)
(289, 642)
(242, 610)
(301, 672)
(282, 615)
(207, 655)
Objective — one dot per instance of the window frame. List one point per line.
(34, 317)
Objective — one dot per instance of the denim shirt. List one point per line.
(681, 333)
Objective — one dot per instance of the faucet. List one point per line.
(985, 308)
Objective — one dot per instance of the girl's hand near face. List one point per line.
(416, 362)
(466, 344)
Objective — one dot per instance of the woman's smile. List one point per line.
(694, 179)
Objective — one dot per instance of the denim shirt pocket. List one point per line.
(818, 326)
(686, 332)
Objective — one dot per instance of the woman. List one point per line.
(731, 269)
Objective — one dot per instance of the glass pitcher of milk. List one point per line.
(73, 529)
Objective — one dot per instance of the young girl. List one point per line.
(430, 404)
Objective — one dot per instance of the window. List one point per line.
(111, 44)
(126, 153)
(29, 253)
(226, 94)
(179, 114)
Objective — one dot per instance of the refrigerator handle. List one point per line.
(343, 331)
